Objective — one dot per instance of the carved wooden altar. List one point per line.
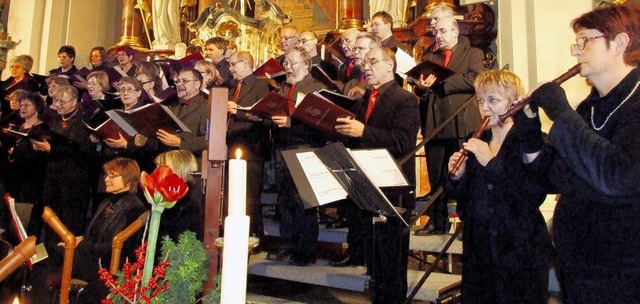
(259, 36)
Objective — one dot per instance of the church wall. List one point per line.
(534, 38)
(45, 25)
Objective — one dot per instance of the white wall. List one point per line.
(45, 25)
(534, 39)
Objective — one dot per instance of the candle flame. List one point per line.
(238, 153)
(16, 301)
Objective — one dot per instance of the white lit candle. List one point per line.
(237, 185)
(235, 259)
(16, 301)
(322, 52)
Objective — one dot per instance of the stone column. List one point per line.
(131, 25)
(350, 14)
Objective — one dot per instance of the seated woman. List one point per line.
(26, 169)
(187, 213)
(117, 211)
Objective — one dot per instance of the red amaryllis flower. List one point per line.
(163, 187)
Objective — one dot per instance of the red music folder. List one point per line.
(269, 69)
(272, 104)
(147, 120)
(318, 112)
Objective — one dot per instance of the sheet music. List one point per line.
(404, 63)
(325, 186)
(299, 98)
(380, 167)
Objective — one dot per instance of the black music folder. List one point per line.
(427, 68)
(332, 173)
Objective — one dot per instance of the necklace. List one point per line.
(593, 124)
(69, 117)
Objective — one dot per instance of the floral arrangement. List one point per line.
(178, 278)
(141, 282)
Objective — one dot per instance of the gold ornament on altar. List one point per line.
(257, 36)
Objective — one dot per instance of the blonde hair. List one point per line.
(505, 81)
(182, 162)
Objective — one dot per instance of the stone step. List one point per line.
(350, 278)
(429, 243)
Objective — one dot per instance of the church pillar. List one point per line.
(131, 25)
(350, 14)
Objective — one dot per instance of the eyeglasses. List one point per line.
(61, 102)
(371, 62)
(286, 38)
(291, 64)
(15, 66)
(491, 100)
(112, 175)
(92, 83)
(26, 105)
(181, 81)
(145, 82)
(233, 64)
(436, 31)
(359, 49)
(303, 41)
(581, 43)
(127, 90)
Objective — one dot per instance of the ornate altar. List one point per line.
(259, 36)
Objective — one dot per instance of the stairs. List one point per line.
(352, 278)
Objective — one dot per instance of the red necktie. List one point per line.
(185, 102)
(291, 91)
(372, 102)
(447, 57)
(350, 67)
(237, 92)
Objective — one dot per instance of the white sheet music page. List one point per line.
(380, 167)
(325, 186)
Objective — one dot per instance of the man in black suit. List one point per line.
(349, 70)
(214, 50)
(192, 109)
(387, 118)
(249, 133)
(382, 27)
(438, 101)
(298, 226)
(308, 40)
(288, 40)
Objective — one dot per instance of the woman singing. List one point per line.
(27, 166)
(506, 243)
(594, 160)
